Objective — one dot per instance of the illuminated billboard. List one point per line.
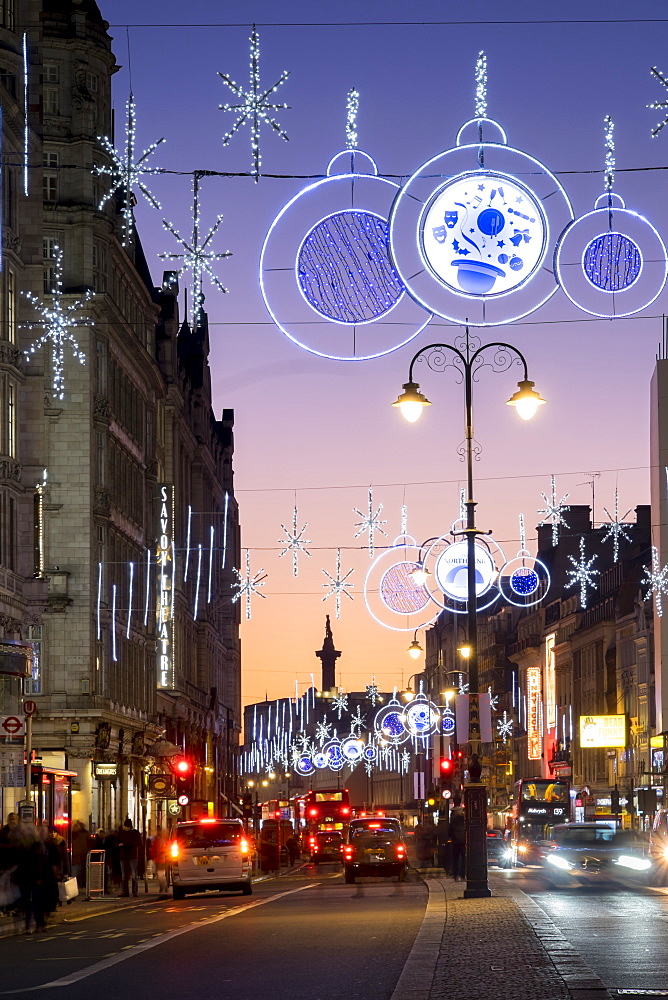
(165, 587)
(534, 715)
(602, 731)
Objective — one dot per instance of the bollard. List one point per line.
(95, 874)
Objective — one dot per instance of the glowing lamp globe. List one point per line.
(415, 649)
(411, 401)
(526, 400)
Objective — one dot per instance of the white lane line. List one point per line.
(106, 963)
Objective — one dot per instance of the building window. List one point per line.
(50, 177)
(51, 101)
(11, 305)
(99, 268)
(8, 14)
(91, 83)
(7, 530)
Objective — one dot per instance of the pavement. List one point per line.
(480, 949)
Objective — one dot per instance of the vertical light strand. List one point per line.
(570, 721)
(199, 576)
(148, 585)
(130, 585)
(113, 624)
(609, 126)
(26, 133)
(99, 600)
(225, 512)
(523, 536)
(171, 615)
(254, 721)
(481, 86)
(208, 589)
(185, 568)
(352, 107)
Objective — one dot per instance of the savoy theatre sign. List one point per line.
(165, 583)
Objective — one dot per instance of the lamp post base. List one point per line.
(475, 811)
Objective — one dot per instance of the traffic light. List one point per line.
(247, 804)
(447, 770)
(183, 773)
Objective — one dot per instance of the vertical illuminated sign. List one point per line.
(550, 683)
(164, 560)
(534, 733)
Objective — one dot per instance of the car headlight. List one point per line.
(522, 849)
(637, 864)
(559, 862)
(508, 853)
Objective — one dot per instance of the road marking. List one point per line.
(137, 949)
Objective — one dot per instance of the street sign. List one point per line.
(183, 800)
(29, 708)
(11, 725)
(173, 808)
(105, 769)
(161, 785)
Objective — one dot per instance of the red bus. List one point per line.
(324, 809)
(537, 805)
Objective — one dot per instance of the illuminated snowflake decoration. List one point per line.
(254, 106)
(197, 257)
(352, 107)
(302, 742)
(340, 703)
(659, 105)
(323, 731)
(247, 584)
(294, 542)
(616, 528)
(582, 573)
(368, 766)
(338, 584)
(405, 761)
(56, 322)
(463, 688)
(126, 173)
(370, 522)
(656, 579)
(357, 722)
(493, 698)
(372, 693)
(554, 511)
(504, 727)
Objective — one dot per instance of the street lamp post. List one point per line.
(466, 357)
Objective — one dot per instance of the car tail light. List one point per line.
(401, 849)
(207, 819)
(375, 826)
(244, 846)
(345, 810)
(174, 851)
(316, 848)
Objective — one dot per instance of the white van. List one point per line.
(210, 854)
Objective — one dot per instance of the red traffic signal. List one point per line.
(446, 767)
(182, 766)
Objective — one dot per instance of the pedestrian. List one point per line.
(97, 840)
(292, 845)
(458, 841)
(425, 841)
(129, 842)
(80, 848)
(40, 878)
(160, 857)
(112, 861)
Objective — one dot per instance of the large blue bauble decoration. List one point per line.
(344, 270)
(612, 262)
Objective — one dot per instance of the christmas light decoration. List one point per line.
(659, 105)
(98, 605)
(188, 527)
(254, 106)
(26, 131)
(370, 522)
(352, 107)
(125, 173)
(113, 624)
(338, 584)
(130, 584)
(57, 321)
(323, 731)
(372, 692)
(616, 527)
(582, 574)
(225, 512)
(611, 262)
(198, 579)
(208, 588)
(357, 722)
(466, 231)
(504, 727)
(196, 256)
(481, 86)
(248, 585)
(656, 580)
(340, 703)
(524, 580)
(295, 542)
(553, 511)
(391, 594)
(148, 584)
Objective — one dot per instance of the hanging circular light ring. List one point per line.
(611, 262)
(447, 562)
(392, 597)
(473, 243)
(326, 274)
(421, 717)
(524, 581)
(389, 724)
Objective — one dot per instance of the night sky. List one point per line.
(319, 432)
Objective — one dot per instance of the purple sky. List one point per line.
(319, 432)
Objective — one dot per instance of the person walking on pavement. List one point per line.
(160, 857)
(425, 841)
(292, 845)
(129, 842)
(80, 848)
(458, 840)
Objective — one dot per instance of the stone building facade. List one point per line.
(82, 476)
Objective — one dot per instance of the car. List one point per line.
(374, 846)
(210, 854)
(498, 850)
(586, 853)
(326, 845)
